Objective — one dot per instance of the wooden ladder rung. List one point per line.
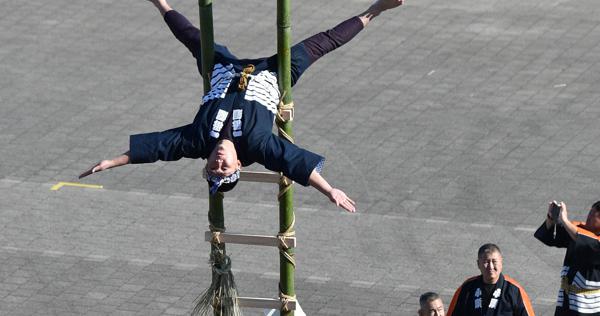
(269, 303)
(245, 239)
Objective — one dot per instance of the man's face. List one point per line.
(223, 161)
(433, 308)
(592, 223)
(490, 265)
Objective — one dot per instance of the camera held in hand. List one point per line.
(554, 210)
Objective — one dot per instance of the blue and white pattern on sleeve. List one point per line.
(320, 165)
(220, 81)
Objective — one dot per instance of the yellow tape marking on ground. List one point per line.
(59, 185)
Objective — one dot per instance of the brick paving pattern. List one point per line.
(451, 123)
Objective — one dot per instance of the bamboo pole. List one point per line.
(286, 207)
(216, 216)
(207, 41)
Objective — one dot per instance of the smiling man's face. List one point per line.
(223, 161)
(490, 265)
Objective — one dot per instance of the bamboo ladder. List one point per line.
(285, 239)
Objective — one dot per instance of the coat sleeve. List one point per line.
(457, 308)
(296, 163)
(545, 235)
(524, 307)
(168, 145)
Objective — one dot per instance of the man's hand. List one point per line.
(382, 5)
(563, 220)
(102, 165)
(376, 8)
(563, 215)
(107, 164)
(340, 199)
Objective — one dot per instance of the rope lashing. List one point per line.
(283, 107)
(248, 70)
(280, 119)
(285, 185)
(285, 300)
(216, 234)
(283, 246)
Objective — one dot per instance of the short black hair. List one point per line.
(225, 187)
(428, 297)
(596, 206)
(488, 248)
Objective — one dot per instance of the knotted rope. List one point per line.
(283, 246)
(285, 185)
(248, 70)
(216, 234)
(281, 120)
(285, 300)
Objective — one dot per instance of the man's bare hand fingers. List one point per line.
(93, 169)
(85, 174)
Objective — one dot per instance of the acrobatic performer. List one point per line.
(233, 127)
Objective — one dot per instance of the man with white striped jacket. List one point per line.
(233, 127)
(579, 292)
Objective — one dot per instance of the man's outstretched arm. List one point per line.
(169, 145)
(377, 8)
(337, 196)
(107, 164)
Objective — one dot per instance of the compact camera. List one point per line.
(554, 210)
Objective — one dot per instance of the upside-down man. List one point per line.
(233, 127)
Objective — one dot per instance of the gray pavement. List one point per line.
(451, 123)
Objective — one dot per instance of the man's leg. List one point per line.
(322, 43)
(311, 49)
(185, 32)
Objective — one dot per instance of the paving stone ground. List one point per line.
(451, 123)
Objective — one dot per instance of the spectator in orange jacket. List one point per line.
(491, 293)
(579, 292)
